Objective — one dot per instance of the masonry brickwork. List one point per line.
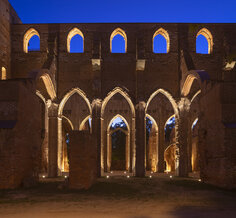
(85, 91)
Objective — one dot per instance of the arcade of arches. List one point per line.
(141, 109)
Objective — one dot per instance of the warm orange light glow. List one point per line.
(4, 73)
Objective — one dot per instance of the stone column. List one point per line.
(52, 140)
(96, 131)
(182, 125)
(189, 146)
(140, 139)
(161, 147)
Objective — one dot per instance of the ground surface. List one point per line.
(121, 197)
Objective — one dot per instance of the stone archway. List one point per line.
(117, 102)
(161, 105)
(75, 110)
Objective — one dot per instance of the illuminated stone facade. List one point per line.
(85, 91)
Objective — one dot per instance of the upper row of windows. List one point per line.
(118, 41)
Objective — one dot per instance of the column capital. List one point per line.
(184, 105)
(53, 109)
(140, 105)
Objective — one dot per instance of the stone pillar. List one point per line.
(96, 131)
(161, 148)
(132, 147)
(182, 125)
(189, 146)
(140, 139)
(52, 140)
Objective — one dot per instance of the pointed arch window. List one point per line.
(31, 41)
(204, 42)
(118, 41)
(161, 41)
(75, 41)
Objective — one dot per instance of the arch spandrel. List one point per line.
(68, 95)
(167, 95)
(115, 91)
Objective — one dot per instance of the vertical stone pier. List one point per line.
(140, 139)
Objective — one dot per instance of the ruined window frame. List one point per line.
(73, 32)
(118, 31)
(27, 36)
(165, 34)
(207, 34)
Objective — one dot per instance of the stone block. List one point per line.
(82, 160)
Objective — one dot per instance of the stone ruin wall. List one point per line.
(20, 134)
(120, 70)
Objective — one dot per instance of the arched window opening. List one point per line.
(118, 122)
(119, 138)
(118, 41)
(34, 43)
(169, 157)
(170, 125)
(77, 44)
(204, 42)
(202, 45)
(161, 41)
(75, 41)
(31, 41)
(4, 73)
(159, 44)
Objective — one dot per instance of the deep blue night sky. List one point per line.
(92, 11)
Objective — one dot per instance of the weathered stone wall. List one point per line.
(217, 143)
(161, 70)
(82, 160)
(7, 17)
(20, 134)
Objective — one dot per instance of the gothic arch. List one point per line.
(68, 95)
(121, 92)
(28, 35)
(167, 95)
(165, 34)
(207, 34)
(127, 145)
(118, 115)
(44, 74)
(121, 32)
(200, 75)
(71, 34)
